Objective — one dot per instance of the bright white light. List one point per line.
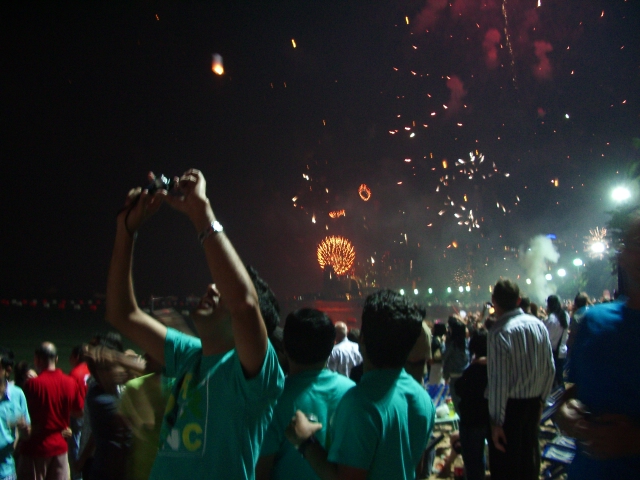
(620, 194)
(430, 291)
(566, 115)
(448, 289)
(467, 288)
(549, 277)
(415, 291)
(577, 262)
(598, 247)
(461, 289)
(528, 281)
(562, 272)
(402, 291)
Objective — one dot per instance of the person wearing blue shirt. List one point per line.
(14, 415)
(382, 425)
(227, 382)
(602, 408)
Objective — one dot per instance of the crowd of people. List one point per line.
(247, 398)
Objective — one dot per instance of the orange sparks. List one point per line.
(337, 213)
(293, 42)
(364, 192)
(336, 252)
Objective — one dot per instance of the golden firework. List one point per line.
(337, 213)
(364, 192)
(337, 252)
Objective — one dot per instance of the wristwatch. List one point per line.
(215, 227)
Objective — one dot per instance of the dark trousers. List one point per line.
(472, 439)
(558, 380)
(521, 427)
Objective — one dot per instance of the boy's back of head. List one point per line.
(390, 327)
(309, 335)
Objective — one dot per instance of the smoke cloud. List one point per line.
(490, 47)
(540, 252)
(542, 71)
(455, 85)
(428, 15)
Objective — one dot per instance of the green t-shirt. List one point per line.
(382, 425)
(316, 392)
(143, 403)
(215, 418)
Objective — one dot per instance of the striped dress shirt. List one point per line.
(520, 361)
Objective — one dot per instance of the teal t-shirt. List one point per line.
(13, 406)
(316, 392)
(215, 418)
(382, 425)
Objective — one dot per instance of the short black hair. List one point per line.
(309, 335)
(478, 343)
(506, 294)
(269, 306)
(77, 352)
(390, 327)
(7, 358)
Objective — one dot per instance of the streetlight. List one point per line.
(562, 272)
(467, 288)
(402, 291)
(620, 194)
(461, 289)
(430, 291)
(415, 291)
(549, 277)
(448, 289)
(577, 262)
(528, 281)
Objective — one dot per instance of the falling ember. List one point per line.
(337, 213)
(406, 19)
(216, 64)
(293, 42)
(313, 218)
(336, 252)
(454, 244)
(444, 164)
(364, 192)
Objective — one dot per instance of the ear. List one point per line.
(518, 302)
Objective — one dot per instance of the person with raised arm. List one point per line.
(228, 380)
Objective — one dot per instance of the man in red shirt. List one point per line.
(52, 397)
(80, 373)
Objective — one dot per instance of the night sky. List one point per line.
(94, 95)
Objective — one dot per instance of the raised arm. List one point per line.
(122, 309)
(237, 292)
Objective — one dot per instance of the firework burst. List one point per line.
(596, 243)
(337, 252)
